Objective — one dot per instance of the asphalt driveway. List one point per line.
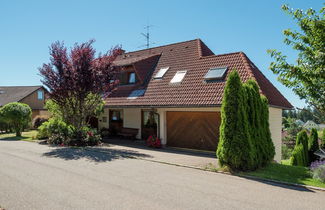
(34, 176)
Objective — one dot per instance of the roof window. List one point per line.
(136, 93)
(215, 73)
(161, 73)
(179, 76)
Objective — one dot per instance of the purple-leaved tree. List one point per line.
(78, 79)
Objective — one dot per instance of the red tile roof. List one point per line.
(195, 57)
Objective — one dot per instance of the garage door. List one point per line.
(195, 130)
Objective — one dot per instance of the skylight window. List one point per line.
(161, 73)
(215, 73)
(179, 76)
(136, 93)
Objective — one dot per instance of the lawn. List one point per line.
(26, 136)
(286, 173)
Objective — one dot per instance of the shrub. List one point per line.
(43, 131)
(323, 139)
(89, 137)
(286, 152)
(313, 145)
(39, 120)
(154, 142)
(235, 148)
(17, 115)
(302, 138)
(253, 109)
(104, 132)
(298, 157)
(57, 131)
(318, 170)
(269, 150)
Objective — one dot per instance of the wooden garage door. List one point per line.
(196, 130)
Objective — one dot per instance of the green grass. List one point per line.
(286, 173)
(26, 136)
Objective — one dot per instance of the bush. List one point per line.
(89, 137)
(323, 139)
(298, 157)
(43, 131)
(318, 170)
(313, 145)
(235, 148)
(39, 120)
(302, 138)
(17, 115)
(57, 131)
(269, 150)
(253, 109)
(104, 132)
(286, 152)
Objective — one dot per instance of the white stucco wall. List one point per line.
(275, 120)
(102, 124)
(132, 119)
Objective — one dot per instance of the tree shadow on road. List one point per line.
(93, 154)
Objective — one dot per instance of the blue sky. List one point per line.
(27, 28)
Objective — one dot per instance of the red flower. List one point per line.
(153, 141)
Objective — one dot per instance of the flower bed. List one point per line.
(318, 170)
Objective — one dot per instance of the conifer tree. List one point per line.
(313, 145)
(302, 138)
(235, 146)
(269, 150)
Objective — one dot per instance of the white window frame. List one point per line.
(178, 77)
(160, 74)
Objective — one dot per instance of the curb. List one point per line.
(282, 182)
(226, 173)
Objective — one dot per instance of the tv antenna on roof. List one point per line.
(147, 36)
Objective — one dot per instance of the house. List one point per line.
(299, 122)
(321, 126)
(310, 125)
(175, 92)
(34, 96)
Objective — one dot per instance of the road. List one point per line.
(34, 176)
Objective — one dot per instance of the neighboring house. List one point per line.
(175, 92)
(321, 126)
(310, 125)
(299, 122)
(34, 96)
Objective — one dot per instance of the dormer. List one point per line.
(128, 75)
(135, 69)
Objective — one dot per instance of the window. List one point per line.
(132, 78)
(161, 73)
(127, 78)
(136, 93)
(104, 119)
(215, 73)
(179, 76)
(116, 115)
(150, 119)
(40, 95)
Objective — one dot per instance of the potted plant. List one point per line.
(154, 142)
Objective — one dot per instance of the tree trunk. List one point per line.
(18, 133)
